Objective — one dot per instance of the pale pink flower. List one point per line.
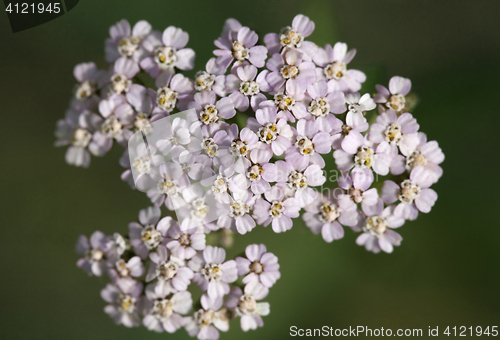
(245, 87)
(357, 151)
(239, 218)
(246, 305)
(392, 129)
(309, 145)
(333, 63)
(327, 215)
(417, 151)
(413, 194)
(290, 71)
(259, 266)
(212, 274)
(276, 208)
(171, 273)
(122, 73)
(149, 233)
(164, 314)
(240, 46)
(94, 260)
(377, 230)
(395, 97)
(293, 37)
(185, 243)
(122, 299)
(208, 321)
(167, 51)
(126, 42)
(271, 130)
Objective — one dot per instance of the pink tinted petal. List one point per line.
(275, 63)
(399, 85)
(337, 102)
(181, 84)
(362, 178)
(229, 271)
(374, 209)
(82, 244)
(370, 197)
(349, 56)
(345, 181)
(280, 145)
(352, 142)
(97, 239)
(318, 89)
(226, 108)
(426, 200)
(248, 136)
(383, 93)
(120, 29)
(260, 187)
(432, 152)
(303, 25)
(339, 51)
(175, 37)
(257, 99)
(385, 245)
(127, 67)
(362, 239)
(376, 134)
(258, 55)
(296, 159)
(255, 251)
(320, 58)
(314, 175)
(214, 255)
(382, 163)
(242, 265)
(185, 59)
(282, 224)
(408, 123)
(398, 165)
(332, 231)
(406, 211)
(247, 37)
(266, 115)
(275, 80)
(244, 224)
(322, 142)
(215, 289)
(240, 101)
(247, 73)
(422, 176)
(392, 221)
(272, 42)
(343, 160)
(141, 29)
(390, 192)
(393, 237)
(85, 71)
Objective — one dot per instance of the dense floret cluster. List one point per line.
(241, 145)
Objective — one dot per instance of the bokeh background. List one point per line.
(446, 273)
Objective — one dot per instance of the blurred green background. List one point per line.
(446, 273)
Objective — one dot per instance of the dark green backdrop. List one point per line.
(445, 273)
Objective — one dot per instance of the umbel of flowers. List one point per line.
(296, 104)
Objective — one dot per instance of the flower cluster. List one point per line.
(175, 259)
(241, 145)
